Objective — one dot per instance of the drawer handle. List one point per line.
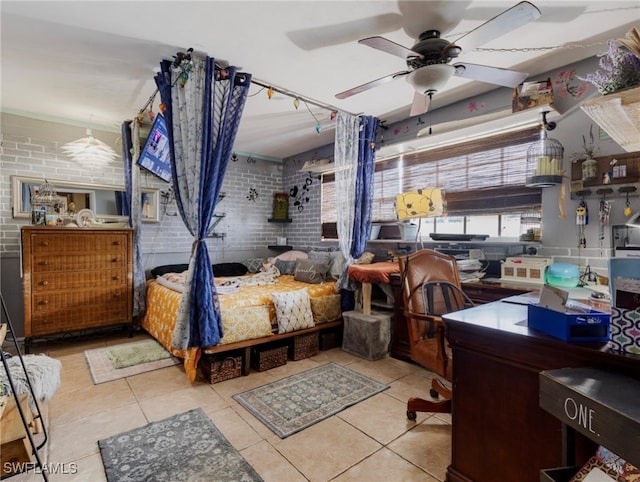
(43, 302)
(44, 283)
(44, 243)
(115, 260)
(117, 243)
(116, 295)
(115, 278)
(43, 263)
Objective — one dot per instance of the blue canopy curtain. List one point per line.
(129, 202)
(203, 115)
(354, 155)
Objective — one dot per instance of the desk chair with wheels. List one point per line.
(431, 287)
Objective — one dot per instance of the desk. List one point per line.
(372, 273)
(499, 431)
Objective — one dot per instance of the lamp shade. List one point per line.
(90, 151)
(423, 203)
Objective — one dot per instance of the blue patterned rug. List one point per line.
(186, 447)
(296, 402)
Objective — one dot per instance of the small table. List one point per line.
(372, 273)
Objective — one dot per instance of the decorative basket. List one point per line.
(266, 358)
(330, 339)
(216, 370)
(304, 346)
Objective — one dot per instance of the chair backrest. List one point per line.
(428, 266)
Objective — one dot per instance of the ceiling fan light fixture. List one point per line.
(430, 78)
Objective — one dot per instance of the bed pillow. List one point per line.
(326, 308)
(285, 267)
(366, 258)
(337, 264)
(168, 268)
(292, 255)
(293, 310)
(229, 269)
(321, 256)
(310, 271)
(253, 264)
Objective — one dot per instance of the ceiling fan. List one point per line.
(429, 60)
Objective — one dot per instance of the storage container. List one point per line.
(265, 357)
(215, 368)
(304, 346)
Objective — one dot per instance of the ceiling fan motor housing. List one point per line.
(434, 50)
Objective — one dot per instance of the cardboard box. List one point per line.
(590, 326)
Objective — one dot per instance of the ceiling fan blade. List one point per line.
(491, 75)
(420, 104)
(388, 46)
(369, 85)
(511, 19)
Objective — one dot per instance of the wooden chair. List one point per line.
(430, 287)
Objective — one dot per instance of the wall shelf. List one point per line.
(619, 115)
(274, 220)
(274, 247)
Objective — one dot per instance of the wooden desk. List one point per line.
(499, 432)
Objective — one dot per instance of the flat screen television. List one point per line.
(156, 154)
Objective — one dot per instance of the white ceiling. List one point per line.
(93, 62)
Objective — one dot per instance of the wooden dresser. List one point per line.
(75, 278)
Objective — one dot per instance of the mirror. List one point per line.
(102, 199)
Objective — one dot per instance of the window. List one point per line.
(483, 181)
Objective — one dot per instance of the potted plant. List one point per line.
(588, 152)
(619, 68)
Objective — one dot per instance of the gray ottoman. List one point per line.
(366, 336)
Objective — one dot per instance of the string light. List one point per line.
(270, 92)
(296, 103)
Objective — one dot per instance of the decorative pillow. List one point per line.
(293, 310)
(229, 269)
(168, 268)
(594, 465)
(253, 264)
(292, 255)
(285, 267)
(326, 308)
(366, 258)
(337, 264)
(322, 256)
(310, 271)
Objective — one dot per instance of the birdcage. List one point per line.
(45, 205)
(544, 162)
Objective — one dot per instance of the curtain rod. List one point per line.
(293, 95)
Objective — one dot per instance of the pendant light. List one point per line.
(544, 158)
(90, 151)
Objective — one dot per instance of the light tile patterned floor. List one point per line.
(371, 441)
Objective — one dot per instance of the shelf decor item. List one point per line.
(587, 153)
(281, 205)
(544, 158)
(44, 202)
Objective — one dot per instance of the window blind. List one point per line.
(481, 176)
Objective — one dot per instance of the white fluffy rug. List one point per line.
(44, 375)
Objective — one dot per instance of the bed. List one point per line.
(255, 306)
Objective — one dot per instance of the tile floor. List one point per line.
(371, 441)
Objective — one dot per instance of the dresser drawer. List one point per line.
(77, 319)
(79, 262)
(56, 280)
(60, 244)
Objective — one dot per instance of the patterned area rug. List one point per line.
(102, 369)
(185, 447)
(296, 402)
